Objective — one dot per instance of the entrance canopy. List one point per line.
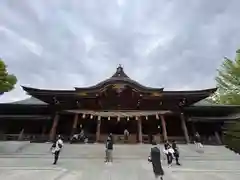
(119, 113)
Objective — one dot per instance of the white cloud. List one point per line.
(60, 44)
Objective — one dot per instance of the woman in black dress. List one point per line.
(155, 158)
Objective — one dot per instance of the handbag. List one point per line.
(53, 150)
(149, 159)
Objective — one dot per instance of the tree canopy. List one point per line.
(7, 81)
(228, 83)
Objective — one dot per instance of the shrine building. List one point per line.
(113, 105)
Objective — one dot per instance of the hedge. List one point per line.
(231, 137)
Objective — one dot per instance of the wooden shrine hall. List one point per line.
(113, 105)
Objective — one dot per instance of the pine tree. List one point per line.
(228, 83)
(7, 81)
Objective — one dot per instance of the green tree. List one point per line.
(228, 83)
(7, 81)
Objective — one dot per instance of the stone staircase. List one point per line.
(140, 151)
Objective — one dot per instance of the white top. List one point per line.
(126, 132)
(57, 148)
(166, 151)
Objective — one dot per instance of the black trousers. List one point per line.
(176, 155)
(56, 155)
(169, 158)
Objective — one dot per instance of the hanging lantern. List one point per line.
(109, 118)
(146, 117)
(83, 116)
(136, 118)
(91, 116)
(127, 118)
(99, 118)
(118, 119)
(157, 117)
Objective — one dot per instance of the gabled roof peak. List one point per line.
(120, 72)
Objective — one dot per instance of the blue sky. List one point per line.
(61, 44)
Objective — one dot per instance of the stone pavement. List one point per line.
(85, 162)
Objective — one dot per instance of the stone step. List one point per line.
(123, 151)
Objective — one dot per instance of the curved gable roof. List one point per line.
(120, 77)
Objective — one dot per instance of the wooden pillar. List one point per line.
(184, 128)
(164, 129)
(98, 130)
(139, 130)
(75, 122)
(54, 127)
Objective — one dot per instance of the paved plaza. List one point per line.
(85, 162)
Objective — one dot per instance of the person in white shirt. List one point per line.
(126, 134)
(56, 148)
(168, 151)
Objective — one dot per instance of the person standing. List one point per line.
(168, 151)
(155, 159)
(151, 138)
(109, 149)
(197, 141)
(56, 148)
(111, 137)
(126, 135)
(176, 152)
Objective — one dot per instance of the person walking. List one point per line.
(155, 159)
(56, 148)
(176, 152)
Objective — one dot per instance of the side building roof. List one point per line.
(208, 103)
(28, 101)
